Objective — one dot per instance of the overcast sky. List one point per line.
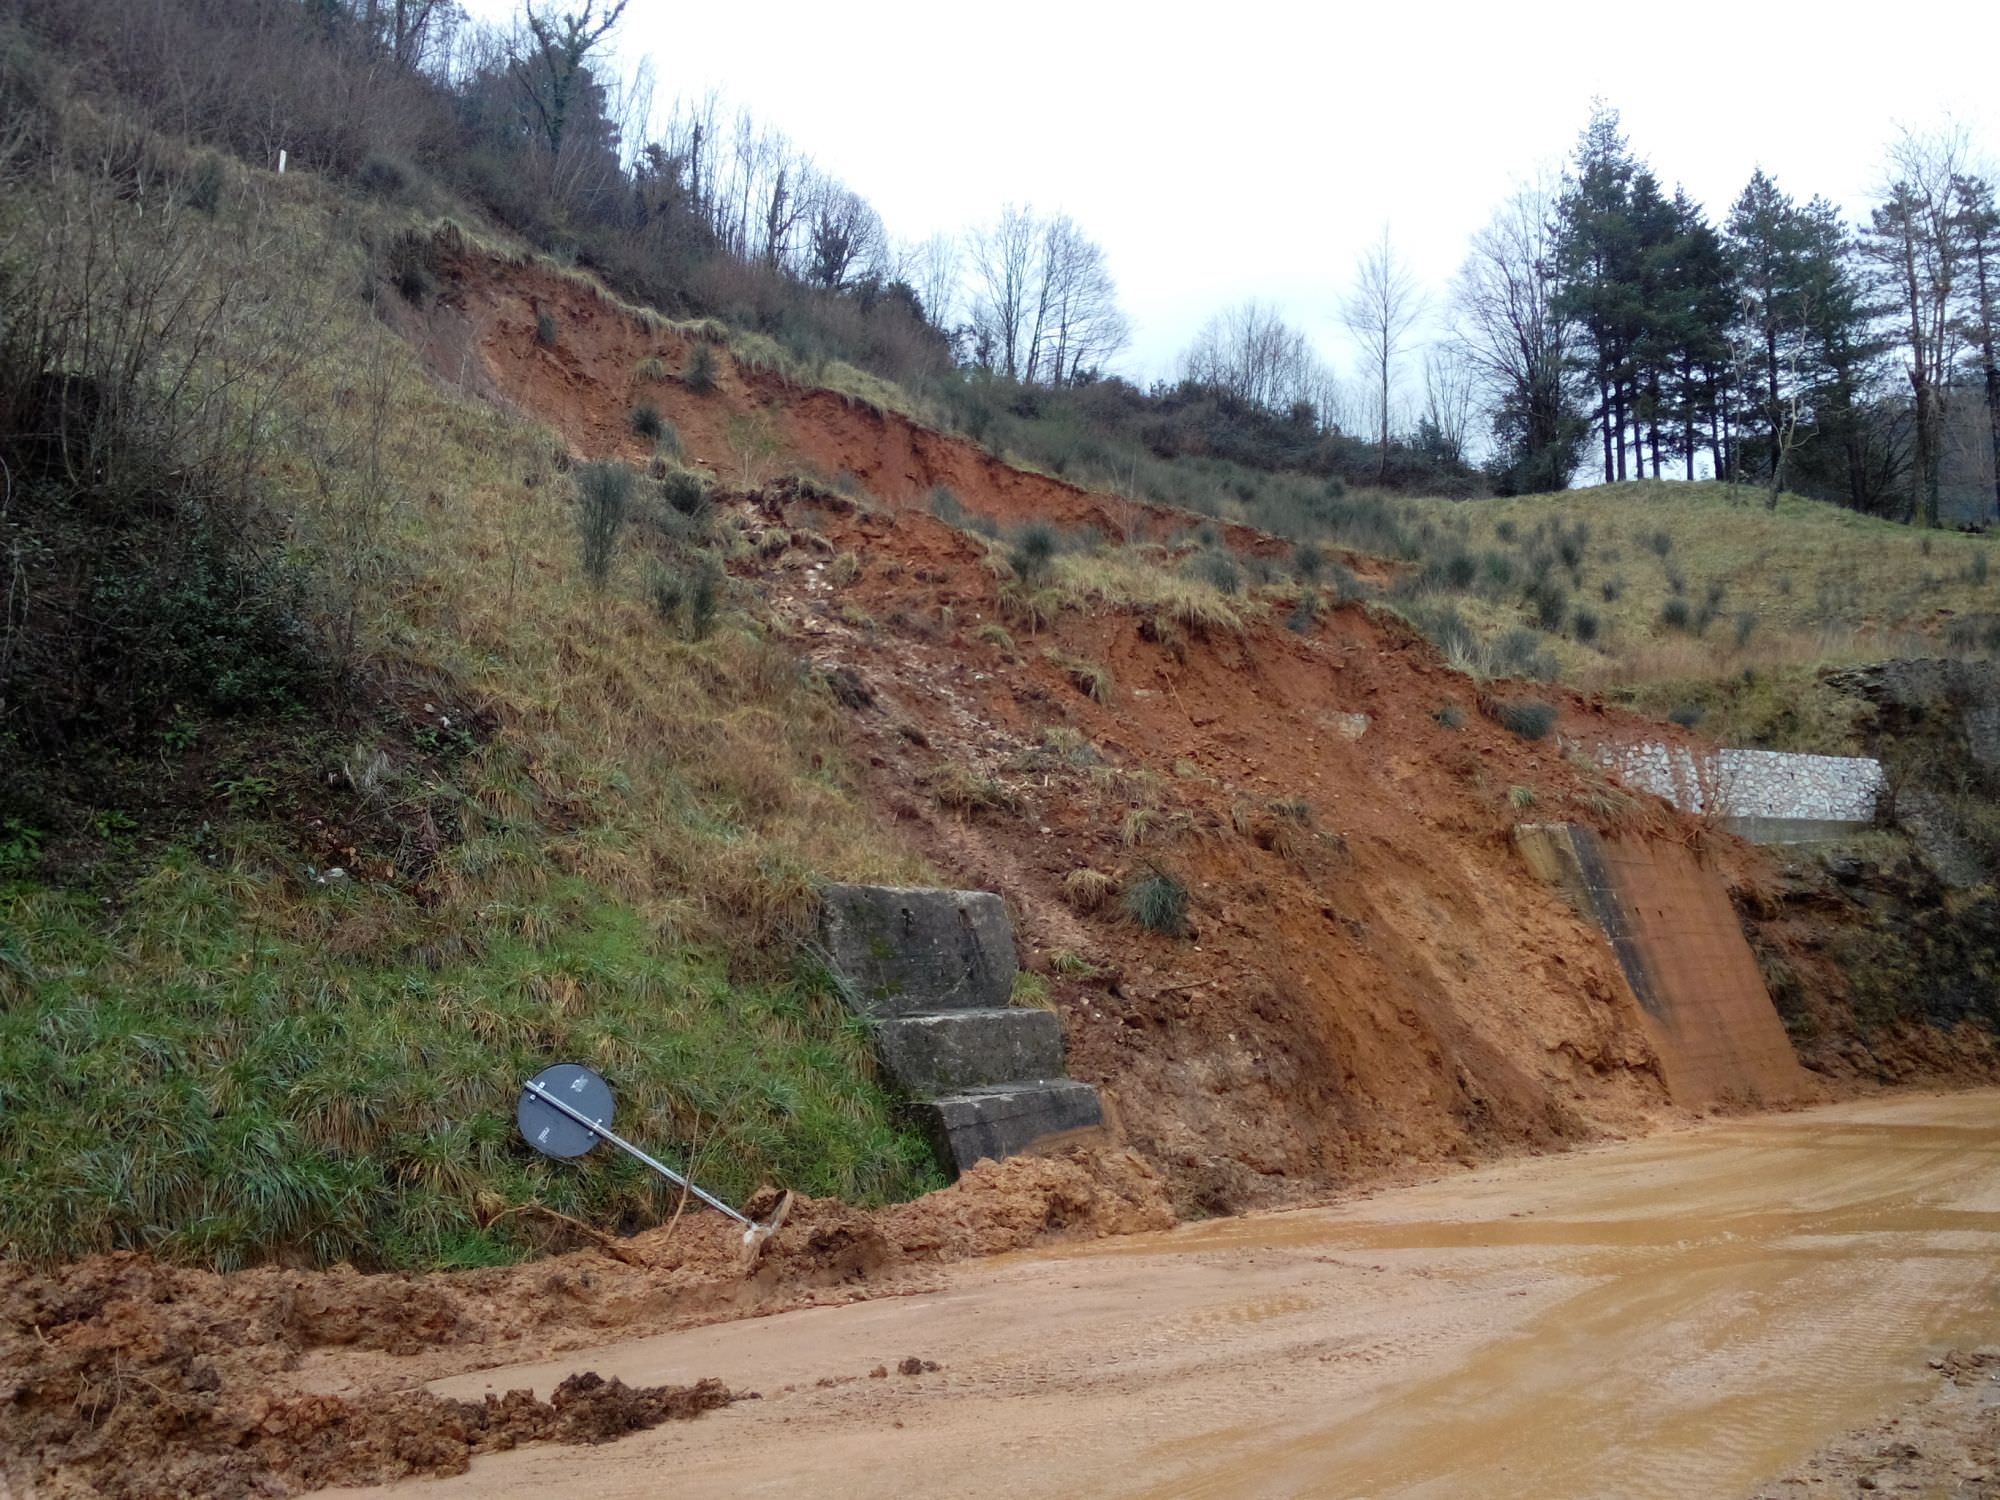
(1224, 151)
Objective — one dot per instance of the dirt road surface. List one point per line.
(1687, 1315)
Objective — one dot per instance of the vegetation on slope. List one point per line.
(272, 964)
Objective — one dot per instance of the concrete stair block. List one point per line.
(998, 1122)
(966, 1049)
(904, 951)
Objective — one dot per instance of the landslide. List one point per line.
(1370, 976)
(122, 1376)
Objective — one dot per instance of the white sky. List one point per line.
(1219, 152)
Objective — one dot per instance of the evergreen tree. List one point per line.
(1597, 274)
(1979, 238)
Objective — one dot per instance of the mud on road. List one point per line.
(1693, 1314)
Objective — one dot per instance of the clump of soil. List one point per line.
(123, 1377)
(1945, 1443)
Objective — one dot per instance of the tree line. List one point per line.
(1617, 328)
(1600, 323)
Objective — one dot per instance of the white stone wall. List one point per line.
(1752, 783)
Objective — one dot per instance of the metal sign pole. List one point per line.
(605, 1133)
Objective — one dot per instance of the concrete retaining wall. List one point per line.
(1670, 924)
(1764, 795)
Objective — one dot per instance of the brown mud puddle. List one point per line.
(1687, 1315)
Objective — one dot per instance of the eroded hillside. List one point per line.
(1369, 974)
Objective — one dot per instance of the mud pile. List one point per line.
(124, 1377)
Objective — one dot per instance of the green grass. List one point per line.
(1807, 583)
(207, 1053)
(186, 1080)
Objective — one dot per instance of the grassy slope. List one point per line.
(227, 1060)
(1786, 592)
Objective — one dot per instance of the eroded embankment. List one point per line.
(122, 1377)
(1372, 975)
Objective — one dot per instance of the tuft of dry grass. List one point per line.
(1087, 677)
(1087, 890)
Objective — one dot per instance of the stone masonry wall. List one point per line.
(1759, 785)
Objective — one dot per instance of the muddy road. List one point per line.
(1686, 1315)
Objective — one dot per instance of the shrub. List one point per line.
(1548, 602)
(546, 332)
(1454, 570)
(1612, 589)
(1687, 715)
(1570, 546)
(604, 499)
(1676, 614)
(686, 491)
(687, 598)
(704, 598)
(1304, 614)
(700, 375)
(1158, 902)
(1217, 569)
(1034, 550)
(652, 369)
(205, 184)
(383, 176)
(1507, 531)
(1530, 718)
(1496, 570)
(1746, 626)
(1584, 624)
(1308, 560)
(647, 421)
(1450, 715)
(1661, 542)
(1519, 653)
(945, 505)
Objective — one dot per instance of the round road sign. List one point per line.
(547, 1128)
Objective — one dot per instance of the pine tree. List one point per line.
(1596, 257)
(1979, 238)
(1700, 300)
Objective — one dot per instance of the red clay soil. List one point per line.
(1372, 976)
(122, 1377)
(754, 424)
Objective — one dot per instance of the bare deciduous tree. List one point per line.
(1380, 312)
(1045, 307)
(1250, 352)
(933, 270)
(1450, 395)
(1508, 322)
(1913, 239)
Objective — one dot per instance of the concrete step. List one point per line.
(968, 1049)
(998, 1122)
(903, 951)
